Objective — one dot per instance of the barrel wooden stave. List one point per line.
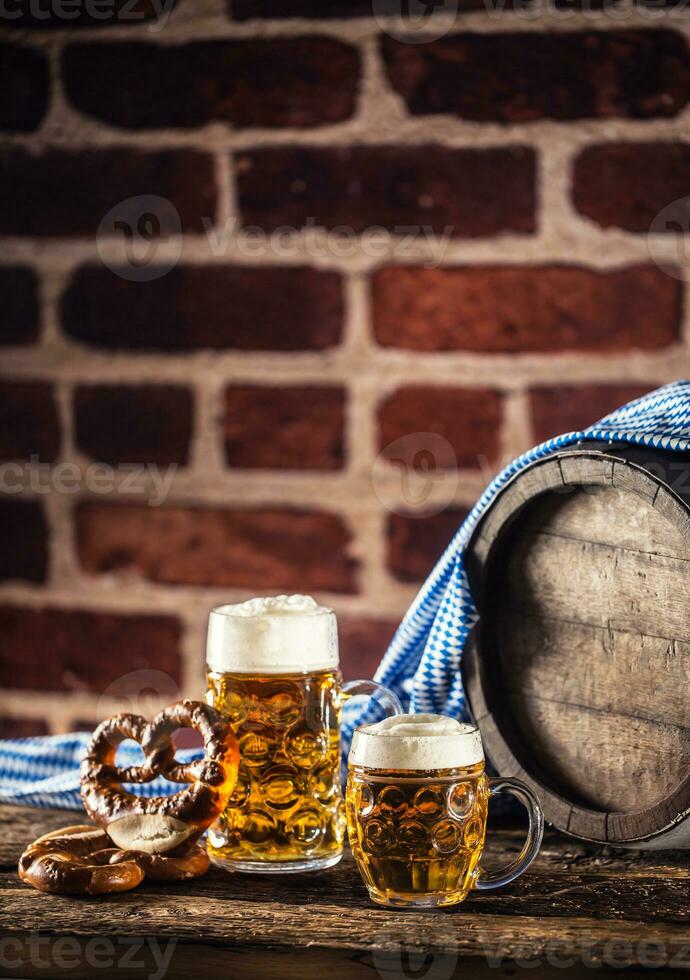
(578, 672)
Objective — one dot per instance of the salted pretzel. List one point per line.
(76, 861)
(178, 865)
(82, 861)
(160, 824)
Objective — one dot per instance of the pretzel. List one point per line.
(76, 861)
(82, 861)
(159, 824)
(185, 862)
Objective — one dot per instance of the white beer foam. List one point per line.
(272, 635)
(416, 742)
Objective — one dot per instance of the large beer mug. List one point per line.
(417, 798)
(273, 670)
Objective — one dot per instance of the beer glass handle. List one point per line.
(494, 879)
(386, 698)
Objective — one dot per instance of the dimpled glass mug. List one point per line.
(417, 798)
(273, 669)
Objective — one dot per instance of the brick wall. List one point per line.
(469, 270)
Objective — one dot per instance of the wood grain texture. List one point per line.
(579, 670)
(575, 902)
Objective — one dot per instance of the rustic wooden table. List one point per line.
(579, 907)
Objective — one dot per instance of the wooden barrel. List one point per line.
(578, 670)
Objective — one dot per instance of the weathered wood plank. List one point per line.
(579, 668)
(299, 927)
(628, 887)
(645, 529)
(212, 914)
(340, 894)
(20, 825)
(578, 902)
(40, 957)
(617, 587)
(560, 695)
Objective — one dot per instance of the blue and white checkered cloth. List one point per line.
(422, 663)
(45, 771)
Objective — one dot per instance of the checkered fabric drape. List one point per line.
(422, 663)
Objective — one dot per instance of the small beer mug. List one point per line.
(417, 798)
(273, 669)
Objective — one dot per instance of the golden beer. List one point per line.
(273, 670)
(417, 802)
(287, 805)
(417, 832)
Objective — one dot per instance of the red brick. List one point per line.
(21, 727)
(625, 185)
(564, 408)
(24, 536)
(471, 192)
(526, 308)
(194, 307)
(24, 84)
(300, 427)
(304, 81)
(524, 77)
(134, 424)
(258, 548)
(363, 641)
(66, 14)
(417, 541)
(70, 650)
(87, 724)
(19, 323)
(65, 192)
(469, 418)
(30, 424)
(183, 738)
